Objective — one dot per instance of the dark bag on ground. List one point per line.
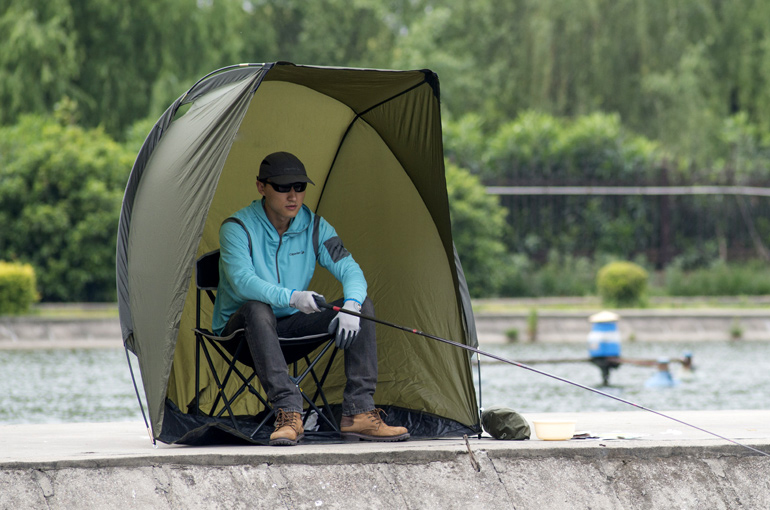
(504, 423)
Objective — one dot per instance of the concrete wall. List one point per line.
(553, 326)
(26, 329)
(694, 477)
(637, 325)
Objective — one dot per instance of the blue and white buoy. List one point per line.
(604, 342)
(604, 338)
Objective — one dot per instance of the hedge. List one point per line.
(17, 288)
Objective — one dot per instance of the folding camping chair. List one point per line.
(294, 350)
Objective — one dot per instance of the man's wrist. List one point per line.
(355, 303)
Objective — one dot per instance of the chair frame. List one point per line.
(204, 336)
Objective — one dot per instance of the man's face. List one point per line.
(281, 206)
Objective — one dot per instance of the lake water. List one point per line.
(88, 385)
(728, 375)
(66, 386)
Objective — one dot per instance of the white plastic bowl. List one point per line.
(554, 430)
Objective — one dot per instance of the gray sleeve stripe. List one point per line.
(335, 248)
(316, 223)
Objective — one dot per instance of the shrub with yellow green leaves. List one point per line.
(622, 284)
(17, 288)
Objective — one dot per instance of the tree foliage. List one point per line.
(533, 92)
(38, 56)
(478, 224)
(60, 193)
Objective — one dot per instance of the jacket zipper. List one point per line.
(277, 271)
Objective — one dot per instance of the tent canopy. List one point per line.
(371, 141)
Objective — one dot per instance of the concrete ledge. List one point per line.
(634, 325)
(553, 326)
(35, 332)
(670, 466)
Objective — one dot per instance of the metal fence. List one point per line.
(692, 224)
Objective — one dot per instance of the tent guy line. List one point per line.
(322, 303)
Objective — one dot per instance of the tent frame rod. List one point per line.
(141, 406)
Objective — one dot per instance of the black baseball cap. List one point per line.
(282, 168)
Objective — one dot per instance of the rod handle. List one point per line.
(321, 302)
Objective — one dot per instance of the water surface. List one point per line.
(92, 385)
(728, 375)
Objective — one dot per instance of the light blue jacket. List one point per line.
(277, 265)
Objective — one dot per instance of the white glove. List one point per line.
(303, 301)
(347, 325)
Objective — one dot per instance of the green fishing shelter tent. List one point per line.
(371, 142)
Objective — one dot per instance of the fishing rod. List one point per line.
(323, 304)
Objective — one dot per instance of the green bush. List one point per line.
(60, 193)
(478, 228)
(622, 284)
(17, 288)
(720, 279)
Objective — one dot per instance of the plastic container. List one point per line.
(554, 430)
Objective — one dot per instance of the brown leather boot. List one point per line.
(370, 427)
(288, 429)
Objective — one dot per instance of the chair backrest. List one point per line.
(207, 271)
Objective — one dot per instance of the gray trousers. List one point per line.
(262, 330)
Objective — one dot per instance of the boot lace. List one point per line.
(376, 418)
(283, 418)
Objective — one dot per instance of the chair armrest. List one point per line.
(211, 336)
(307, 338)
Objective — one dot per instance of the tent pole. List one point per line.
(136, 389)
(481, 405)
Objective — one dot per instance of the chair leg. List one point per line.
(229, 372)
(198, 340)
(246, 381)
(221, 389)
(319, 392)
(264, 420)
(327, 416)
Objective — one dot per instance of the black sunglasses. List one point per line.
(299, 187)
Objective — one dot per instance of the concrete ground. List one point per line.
(640, 460)
(128, 443)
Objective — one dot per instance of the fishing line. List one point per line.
(324, 304)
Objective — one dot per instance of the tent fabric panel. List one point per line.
(360, 89)
(151, 141)
(281, 116)
(402, 256)
(465, 300)
(410, 125)
(221, 78)
(169, 211)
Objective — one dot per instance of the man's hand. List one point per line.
(347, 325)
(303, 301)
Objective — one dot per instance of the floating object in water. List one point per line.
(604, 343)
(663, 377)
(687, 371)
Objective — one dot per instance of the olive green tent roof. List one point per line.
(371, 141)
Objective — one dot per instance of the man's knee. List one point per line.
(368, 307)
(257, 312)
